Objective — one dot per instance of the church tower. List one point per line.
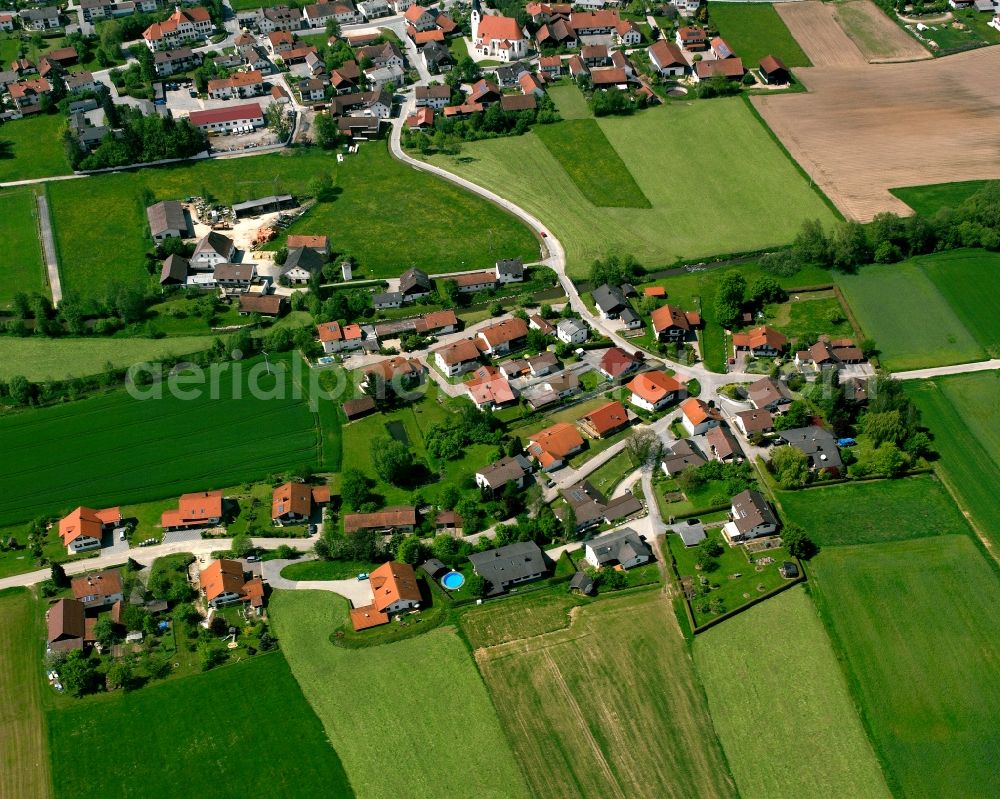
(474, 18)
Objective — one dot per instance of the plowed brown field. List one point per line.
(816, 30)
(879, 39)
(862, 130)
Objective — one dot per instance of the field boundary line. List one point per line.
(46, 239)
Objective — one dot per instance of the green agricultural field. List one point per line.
(610, 706)
(810, 313)
(518, 617)
(777, 697)
(663, 148)
(928, 200)
(917, 625)
(874, 512)
(114, 449)
(755, 31)
(33, 148)
(21, 267)
(425, 690)
(570, 102)
(101, 229)
(582, 149)
(186, 732)
(24, 745)
(886, 299)
(60, 358)
(969, 280)
(970, 454)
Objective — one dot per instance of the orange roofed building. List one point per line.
(292, 503)
(761, 341)
(224, 582)
(194, 511)
(653, 391)
(698, 417)
(553, 446)
(394, 590)
(605, 421)
(84, 528)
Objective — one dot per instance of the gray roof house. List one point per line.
(681, 456)
(768, 394)
(749, 517)
(818, 444)
(509, 565)
(506, 470)
(214, 248)
(301, 264)
(622, 547)
(415, 283)
(168, 219)
(610, 301)
(510, 270)
(174, 271)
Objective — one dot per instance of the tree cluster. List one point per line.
(142, 139)
(615, 270)
(448, 439)
(615, 102)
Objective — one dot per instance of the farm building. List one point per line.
(168, 219)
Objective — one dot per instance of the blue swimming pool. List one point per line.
(453, 581)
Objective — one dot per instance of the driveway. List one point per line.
(357, 592)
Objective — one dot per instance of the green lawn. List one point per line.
(424, 693)
(777, 697)
(21, 267)
(755, 31)
(518, 617)
(582, 149)
(243, 724)
(115, 449)
(928, 200)
(570, 102)
(886, 299)
(35, 148)
(326, 569)
(663, 148)
(917, 627)
(809, 313)
(59, 358)
(874, 512)
(608, 476)
(961, 412)
(969, 280)
(101, 229)
(24, 744)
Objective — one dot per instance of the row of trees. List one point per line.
(141, 139)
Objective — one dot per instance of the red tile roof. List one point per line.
(654, 386)
(607, 419)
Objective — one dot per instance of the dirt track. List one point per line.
(862, 130)
(819, 34)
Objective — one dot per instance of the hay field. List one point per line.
(790, 704)
(879, 39)
(922, 122)
(608, 707)
(813, 25)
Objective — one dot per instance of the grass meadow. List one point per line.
(114, 449)
(969, 280)
(35, 148)
(518, 617)
(886, 299)
(582, 149)
(781, 706)
(754, 31)
(673, 152)
(609, 707)
(21, 267)
(24, 745)
(101, 229)
(928, 200)
(210, 734)
(917, 625)
(874, 512)
(423, 694)
(569, 101)
(59, 358)
(961, 412)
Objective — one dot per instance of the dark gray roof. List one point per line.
(166, 215)
(175, 269)
(628, 315)
(414, 280)
(609, 299)
(214, 242)
(433, 567)
(691, 531)
(263, 202)
(618, 547)
(513, 267)
(817, 443)
(304, 258)
(508, 564)
(682, 455)
(752, 510)
(387, 298)
(582, 582)
(498, 474)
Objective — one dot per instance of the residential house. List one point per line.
(457, 358)
(774, 72)
(183, 26)
(503, 336)
(518, 102)
(198, 510)
(437, 58)
(624, 548)
(552, 390)
(279, 42)
(312, 89)
(768, 394)
(212, 249)
(419, 18)
(558, 33)
(819, 446)
(398, 373)
(240, 85)
(255, 58)
(653, 391)
(509, 565)
(78, 82)
(761, 342)
(754, 422)
(510, 270)
(378, 77)
(721, 49)
(7, 20)
(387, 299)
(572, 331)
(98, 590)
(378, 103)
(536, 322)
(346, 78)
(550, 66)
(270, 305)
(230, 118)
(667, 58)
(84, 528)
(293, 503)
(610, 301)
(497, 37)
(749, 517)
(375, 9)
(167, 219)
(627, 33)
(595, 23)
(492, 394)
(692, 39)
(723, 445)
(319, 243)
(174, 271)
(616, 363)
(67, 626)
(543, 364)
(671, 324)
(509, 470)
(595, 55)
(697, 416)
(234, 277)
(681, 455)
(399, 519)
(485, 92)
(829, 353)
(301, 264)
(394, 590)
(386, 54)
(336, 337)
(605, 421)
(590, 508)
(27, 94)
(415, 284)
(436, 97)
(421, 119)
(554, 445)
(167, 62)
(40, 19)
(224, 582)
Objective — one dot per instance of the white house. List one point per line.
(623, 548)
(749, 517)
(510, 271)
(572, 331)
(667, 58)
(697, 417)
(213, 249)
(83, 529)
(457, 358)
(336, 337)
